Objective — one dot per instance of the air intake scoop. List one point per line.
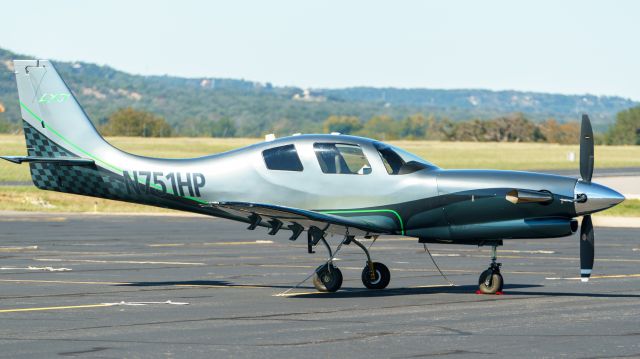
(518, 196)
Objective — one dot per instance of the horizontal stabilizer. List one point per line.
(64, 161)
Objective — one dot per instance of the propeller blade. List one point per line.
(587, 239)
(586, 149)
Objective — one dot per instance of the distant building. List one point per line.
(206, 83)
(308, 96)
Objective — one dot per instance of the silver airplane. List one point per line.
(318, 184)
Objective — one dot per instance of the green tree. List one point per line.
(513, 128)
(414, 127)
(382, 127)
(6, 126)
(626, 130)
(131, 122)
(224, 127)
(342, 124)
(565, 133)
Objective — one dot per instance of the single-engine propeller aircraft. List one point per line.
(318, 184)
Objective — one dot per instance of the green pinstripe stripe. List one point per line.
(67, 141)
(347, 211)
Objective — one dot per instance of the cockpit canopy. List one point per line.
(400, 162)
(345, 155)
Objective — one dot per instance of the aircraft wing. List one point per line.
(298, 220)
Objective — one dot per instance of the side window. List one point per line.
(341, 158)
(283, 158)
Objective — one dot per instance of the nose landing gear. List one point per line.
(380, 278)
(491, 281)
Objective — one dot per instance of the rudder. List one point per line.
(48, 105)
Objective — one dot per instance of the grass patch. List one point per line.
(628, 208)
(31, 199)
(516, 156)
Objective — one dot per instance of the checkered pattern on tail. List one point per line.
(70, 179)
(90, 181)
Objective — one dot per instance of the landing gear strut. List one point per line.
(328, 278)
(490, 281)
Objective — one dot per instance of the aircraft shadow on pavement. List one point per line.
(392, 292)
(509, 290)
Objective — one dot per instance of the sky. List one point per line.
(569, 46)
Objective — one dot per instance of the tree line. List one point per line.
(511, 128)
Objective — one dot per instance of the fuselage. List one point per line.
(426, 202)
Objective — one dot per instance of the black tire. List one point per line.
(382, 277)
(327, 278)
(496, 282)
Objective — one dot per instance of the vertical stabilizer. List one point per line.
(49, 107)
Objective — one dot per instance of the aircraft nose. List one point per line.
(598, 197)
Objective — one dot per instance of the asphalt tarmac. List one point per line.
(102, 286)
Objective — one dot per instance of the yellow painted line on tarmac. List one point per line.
(116, 262)
(60, 282)
(611, 276)
(55, 308)
(524, 272)
(564, 258)
(18, 249)
(235, 243)
(32, 219)
(242, 286)
(238, 243)
(294, 294)
(249, 286)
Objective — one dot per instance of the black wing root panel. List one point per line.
(297, 220)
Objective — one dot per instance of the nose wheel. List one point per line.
(491, 281)
(375, 275)
(380, 278)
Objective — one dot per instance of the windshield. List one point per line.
(398, 161)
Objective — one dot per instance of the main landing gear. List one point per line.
(328, 277)
(490, 281)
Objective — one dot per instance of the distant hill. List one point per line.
(257, 108)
